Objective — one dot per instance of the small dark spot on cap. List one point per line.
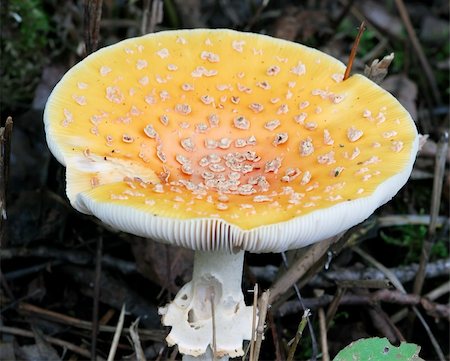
(104, 158)
(386, 350)
(341, 145)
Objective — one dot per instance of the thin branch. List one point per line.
(255, 307)
(323, 335)
(155, 335)
(298, 335)
(117, 333)
(400, 287)
(98, 272)
(263, 306)
(353, 51)
(55, 341)
(419, 51)
(436, 310)
(92, 17)
(402, 273)
(140, 356)
(5, 154)
(299, 268)
(214, 332)
(439, 174)
(332, 308)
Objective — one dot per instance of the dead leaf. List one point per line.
(378, 70)
(7, 351)
(377, 14)
(163, 264)
(301, 24)
(404, 89)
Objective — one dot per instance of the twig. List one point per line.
(299, 268)
(332, 309)
(310, 327)
(155, 335)
(298, 335)
(5, 154)
(98, 272)
(263, 305)
(409, 219)
(353, 51)
(400, 287)
(439, 172)
(5, 286)
(402, 273)
(438, 291)
(152, 15)
(432, 295)
(323, 335)
(213, 319)
(419, 51)
(274, 333)
(117, 333)
(140, 356)
(30, 270)
(70, 256)
(257, 14)
(92, 17)
(386, 296)
(255, 308)
(55, 341)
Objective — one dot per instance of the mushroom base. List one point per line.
(210, 311)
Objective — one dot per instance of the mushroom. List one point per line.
(225, 142)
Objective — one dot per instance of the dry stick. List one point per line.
(257, 14)
(117, 333)
(152, 15)
(298, 335)
(274, 334)
(323, 335)
(252, 341)
(263, 306)
(70, 346)
(299, 268)
(155, 335)
(418, 49)
(436, 310)
(92, 17)
(157, 15)
(213, 319)
(140, 356)
(438, 291)
(300, 300)
(145, 16)
(332, 308)
(391, 276)
(353, 51)
(439, 172)
(322, 328)
(98, 271)
(5, 154)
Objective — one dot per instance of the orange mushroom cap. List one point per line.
(217, 139)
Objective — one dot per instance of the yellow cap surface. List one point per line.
(219, 124)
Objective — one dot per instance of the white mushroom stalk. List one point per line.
(217, 141)
(210, 311)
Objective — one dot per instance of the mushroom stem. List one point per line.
(216, 278)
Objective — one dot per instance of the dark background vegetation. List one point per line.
(49, 252)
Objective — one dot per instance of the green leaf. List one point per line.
(378, 349)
